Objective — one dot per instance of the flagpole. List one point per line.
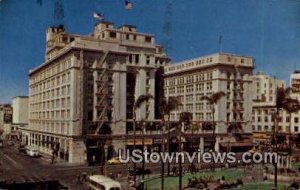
(221, 43)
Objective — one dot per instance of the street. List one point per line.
(17, 167)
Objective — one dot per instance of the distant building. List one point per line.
(87, 87)
(190, 80)
(264, 89)
(20, 117)
(295, 84)
(5, 119)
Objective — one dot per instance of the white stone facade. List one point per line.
(84, 84)
(189, 80)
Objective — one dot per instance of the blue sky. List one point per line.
(268, 30)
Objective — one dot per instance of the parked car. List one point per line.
(140, 171)
(32, 151)
(114, 160)
(1, 143)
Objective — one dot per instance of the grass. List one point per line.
(260, 186)
(295, 166)
(172, 182)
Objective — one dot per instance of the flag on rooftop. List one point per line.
(128, 5)
(99, 16)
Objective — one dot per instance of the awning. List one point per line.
(237, 144)
(140, 142)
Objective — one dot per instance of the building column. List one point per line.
(217, 145)
(201, 144)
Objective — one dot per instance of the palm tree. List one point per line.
(290, 105)
(138, 103)
(213, 100)
(166, 106)
(185, 119)
(283, 101)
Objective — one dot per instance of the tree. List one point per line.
(213, 100)
(1, 132)
(185, 119)
(166, 106)
(290, 105)
(138, 103)
(283, 101)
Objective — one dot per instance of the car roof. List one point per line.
(101, 179)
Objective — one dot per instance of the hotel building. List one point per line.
(264, 98)
(87, 87)
(190, 80)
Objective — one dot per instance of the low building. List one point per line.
(6, 113)
(20, 118)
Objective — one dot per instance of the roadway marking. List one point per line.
(19, 166)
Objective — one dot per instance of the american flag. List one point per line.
(128, 5)
(99, 16)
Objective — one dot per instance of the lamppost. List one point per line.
(105, 158)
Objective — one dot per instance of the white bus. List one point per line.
(32, 151)
(101, 182)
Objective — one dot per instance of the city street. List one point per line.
(17, 167)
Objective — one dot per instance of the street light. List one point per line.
(105, 158)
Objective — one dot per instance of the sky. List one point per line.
(267, 30)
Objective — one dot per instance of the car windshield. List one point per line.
(114, 188)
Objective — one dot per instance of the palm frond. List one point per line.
(141, 99)
(207, 98)
(291, 105)
(281, 95)
(186, 117)
(217, 96)
(173, 103)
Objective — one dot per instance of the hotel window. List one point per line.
(127, 36)
(130, 58)
(172, 90)
(113, 34)
(296, 120)
(137, 58)
(209, 86)
(258, 119)
(190, 79)
(189, 107)
(189, 88)
(266, 127)
(148, 39)
(147, 59)
(189, 98)
(296, 128)
(181, 80)
(259, 128)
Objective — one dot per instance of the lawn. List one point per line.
(295, 166)
(259, 186)
(172, 182)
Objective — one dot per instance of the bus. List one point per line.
(101, 182)
(32, 151)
